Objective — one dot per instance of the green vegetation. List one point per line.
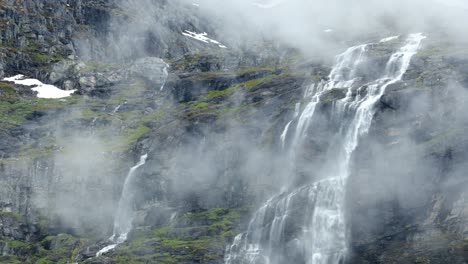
(10, 214)
(256, 82)
(6, 86)
(39, 57)
(195, 236)
(7, 92)
(201, 105)
(209, 105)
(258, 68)
(16, 112)
(248, 84)
(14, 243)
(62, 248)
(134, 134)
(421, 260)
(222, 93)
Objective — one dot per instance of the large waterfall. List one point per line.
(307, 224)
(124, 217)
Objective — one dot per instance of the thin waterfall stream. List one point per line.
(124, 217)
(307, 224)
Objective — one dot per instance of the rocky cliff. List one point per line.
(210, 120)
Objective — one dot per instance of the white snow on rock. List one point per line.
(202, 37)
(43, 90)
(389, 39)
(328, 30)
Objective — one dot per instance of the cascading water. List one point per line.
(124, 217)
(286, 128)
(307, 225)
(165, 73)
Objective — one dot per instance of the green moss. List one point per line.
(63, 248)
(7, 92)
(254, 69)
(11, 260)
(33, 151)
(255, 82)
(421, 260)
(135, 134)
(222, 93)
(17, 111)
(6, 86)
(130, 136)
(10, 214)
(44, 260)
(195, 236)
(201, 105)
(15, 243)
(207, 106)
(39, 57)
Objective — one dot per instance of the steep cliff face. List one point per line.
(408, 203)
(35, 34)
(211, 121)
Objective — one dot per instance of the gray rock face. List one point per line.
(95, 79)
(41, 35)
(155, 70)
(2, 72)
(407, 195)
(85, 77)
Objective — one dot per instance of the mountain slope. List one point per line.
(211, 120)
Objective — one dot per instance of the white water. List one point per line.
(389, 39)
(165, 74)
(307, 225)
(116, 109)
(286, 128)
(124, 217)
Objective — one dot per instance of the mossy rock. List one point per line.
(199, 236)
(15, 216)
(333, 95)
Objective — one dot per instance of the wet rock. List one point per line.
(155, 70)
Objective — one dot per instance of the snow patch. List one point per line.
(43, 90)
(202, 37)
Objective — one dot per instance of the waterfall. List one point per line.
(286, 128)
(116, 109)
(164, 77)
(307, 224)
(124, 217)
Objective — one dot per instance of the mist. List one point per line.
(316, 27)
(324, 154)
(207, 163)
(319, 29)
